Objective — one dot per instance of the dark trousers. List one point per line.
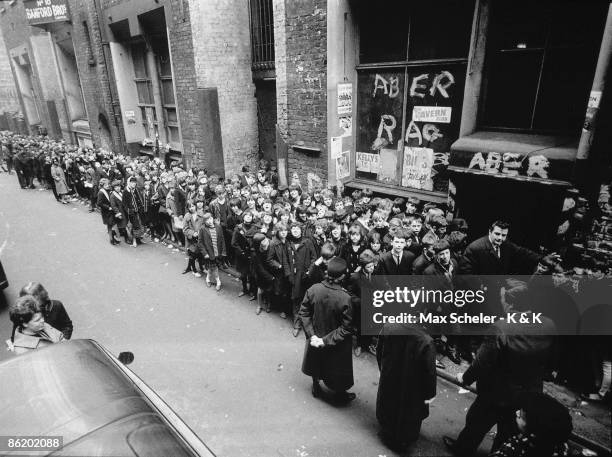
(483, 414)
(93, 197)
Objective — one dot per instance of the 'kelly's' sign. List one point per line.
(46, 11)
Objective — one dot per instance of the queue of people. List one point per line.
(308, 255)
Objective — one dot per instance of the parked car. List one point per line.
(79, 391)
(3, 279)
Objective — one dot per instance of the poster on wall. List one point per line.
(418, 163)
(130, 117)
(366, 162)
(346, 125)
(345, 98)
(387, 170)
(342, 166)
(335, 147)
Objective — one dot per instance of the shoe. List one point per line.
(357, 351)
(218, 286)
(283, 316)
(296, 331)
(114, 242)
(253, 298)
(197, 274)
(91, 210)
(241, 294)
(372, 349)
(258, 310)
(346, 397)
(450, 443)
(268, 308)
(187, 270)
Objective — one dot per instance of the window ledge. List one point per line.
(389, 189)
(558, 151)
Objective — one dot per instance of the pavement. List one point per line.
(234, 377)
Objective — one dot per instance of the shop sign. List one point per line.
(366, 162)
(46, 11)
(436, 114)
(511, 164)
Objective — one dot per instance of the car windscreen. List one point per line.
(66, 389)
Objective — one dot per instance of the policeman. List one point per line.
(326, 317)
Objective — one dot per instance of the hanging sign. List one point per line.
(436, 114)
(46, 11)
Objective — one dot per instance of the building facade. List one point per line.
(496, 108)
(437, 99)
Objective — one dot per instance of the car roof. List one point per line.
(77, 390)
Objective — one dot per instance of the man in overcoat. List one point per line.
(510, 361)
(326, 317)
(406, 357)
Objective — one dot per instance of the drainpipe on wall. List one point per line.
(590, 127)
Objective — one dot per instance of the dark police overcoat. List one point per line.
(326, 312)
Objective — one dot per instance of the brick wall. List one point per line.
(97, 93)
(181, 51)
(9, 100)
(221, 41)
(301, 82)
(16, 32)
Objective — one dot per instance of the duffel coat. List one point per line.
(191, 228)
(326, 312)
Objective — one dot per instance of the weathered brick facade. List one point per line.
(221, 41)
(301, 83)
(210, 48)
(9, 99)
(181, 50)
(16, 33)
(106, 130)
